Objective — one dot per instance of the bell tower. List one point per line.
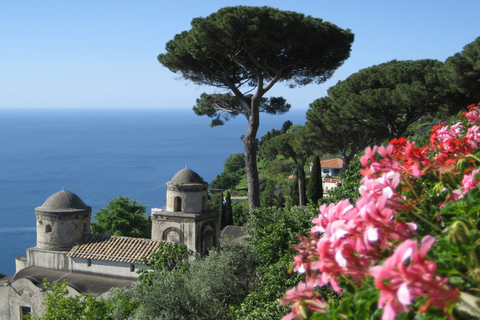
(186, 218)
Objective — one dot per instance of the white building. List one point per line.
(331, 167)
(92, 264)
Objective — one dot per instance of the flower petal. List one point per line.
(342, 262)
(403, 294)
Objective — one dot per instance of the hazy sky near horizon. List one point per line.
(103, 54)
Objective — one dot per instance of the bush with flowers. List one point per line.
(409, 248)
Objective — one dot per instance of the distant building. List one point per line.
(92, 264)
(331, 167)
(329, 184)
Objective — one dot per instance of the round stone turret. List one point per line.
(61, 221)
(186, 218)
(187, 192)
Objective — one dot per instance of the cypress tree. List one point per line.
(268, 197)
(228, 209)
(315, 186)
(294, 199)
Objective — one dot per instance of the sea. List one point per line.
(100, 154)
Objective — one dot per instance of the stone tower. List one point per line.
(186, 218)
(61, 221)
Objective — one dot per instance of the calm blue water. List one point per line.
(101, 154)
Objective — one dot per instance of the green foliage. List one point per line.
(229, 273)
(315, 186)
(292, 145)
(361, 304)
(122, 303)
(296, 48)
(123, 217)
(223, 107)
(286, 125)
(226, 181)
(205, 290)
(274, 132)
(262, 303)
(172, 295)
(60, 306)
(233, 170)
(387, 98)
(274, 230)
(240, 213)
(457, 249)
(235, 163)
(215, 200)
(463, 72)
(329, 133)
(268, 197)
(293, 199)
(278, 171)
(272, 233)
(168, 257)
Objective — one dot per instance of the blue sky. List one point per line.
(102, 54)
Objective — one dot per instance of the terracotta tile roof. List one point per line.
(112, 248)
(332, 163)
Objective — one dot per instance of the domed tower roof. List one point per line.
(186, 176)
(63, 201)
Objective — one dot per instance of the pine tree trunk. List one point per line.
(249, 141)
(302, 199)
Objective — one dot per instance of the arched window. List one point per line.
(173, 234)
(208, 239)
(48, 228)
(177, 204)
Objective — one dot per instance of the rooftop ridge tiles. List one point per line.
(114, 248)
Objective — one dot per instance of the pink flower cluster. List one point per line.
(473, 136)
(353, 237)
(406, 275)
(473, 115)
(444, 133)
(468, 182)
(350, 241)
(302, 298)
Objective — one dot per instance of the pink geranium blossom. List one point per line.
(353, 236)
(473, 115)
(301, 298)
(469, 182)
(473, 136)
(407, 275)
